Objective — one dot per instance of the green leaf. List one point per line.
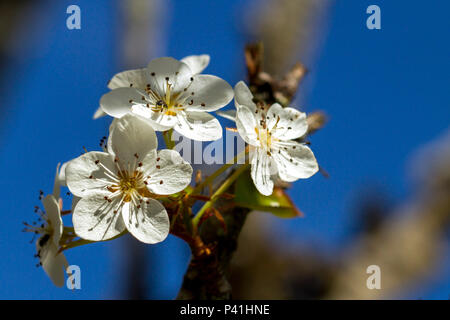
(279, 203)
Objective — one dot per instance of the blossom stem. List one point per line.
(64, 212)
(80, 242)
(198, 188)
(168, 139)
(225, 185)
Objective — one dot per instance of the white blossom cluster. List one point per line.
(117, 189)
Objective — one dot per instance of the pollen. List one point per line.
(170, 113)
(130, 185)
(264, 137)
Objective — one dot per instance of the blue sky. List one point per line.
(385, 91)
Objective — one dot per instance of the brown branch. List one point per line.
(207, 276)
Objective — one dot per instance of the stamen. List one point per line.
(108, 172)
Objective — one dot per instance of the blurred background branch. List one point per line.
(290, 30)
(406, 243)
(140, 41)
(13, 13)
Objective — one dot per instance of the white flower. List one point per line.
(116, 187)
(271, 131)
(132, 78)
(50, 231)
(171, 94)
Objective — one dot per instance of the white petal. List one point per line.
(165, 69)
(295, 161)
(261, 172)
(169, 174)
(99, 113)
(199, 126)
(197, 63)
(130, 139)
(274, 115)
(62, 175)
(159, 120)
(60, 179)
(228, 114)
(289, 123)
(243, 96)
(84, 176)
(118, 102)
(54, 264)
(97, 219)
(137, 78)
(210, 93)
(246, 123)
(149, 223)
(53, 213)
(75, 200)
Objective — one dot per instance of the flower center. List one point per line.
(167, 102)
(130, 185)
(264, 137)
